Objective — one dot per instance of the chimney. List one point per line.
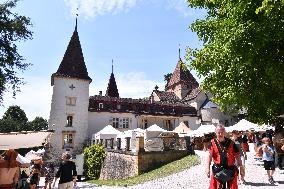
(101, 93)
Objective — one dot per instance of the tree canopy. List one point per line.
(15, 120)
(13, 29)
(242, 55)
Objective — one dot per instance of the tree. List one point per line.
(38, 124)
(242, 58)
(14, 119)
(8, 125)
(167, 78)
(94, 157)
(14, 28)
(15, 113)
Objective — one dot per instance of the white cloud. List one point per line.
(130, 85)
(182, 7)
(35, 96)
(93, 8)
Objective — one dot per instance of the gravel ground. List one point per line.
(195, 178)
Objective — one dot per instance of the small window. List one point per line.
(101, 105)
(71, 101)
(118, 106)
(115, 122)
(124, 123)
(69, 121)
(145, 124)
(67, 140)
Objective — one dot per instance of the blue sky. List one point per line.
(141, 36)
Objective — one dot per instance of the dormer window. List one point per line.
(71, 101)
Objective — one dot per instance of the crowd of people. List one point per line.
(11, 174)
(228, 151)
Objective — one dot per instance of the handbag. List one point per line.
(221, 173)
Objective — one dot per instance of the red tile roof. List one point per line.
(182, 75)
(167, 96)
(139, 106)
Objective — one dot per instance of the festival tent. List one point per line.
(107, 132)
(182, 129)
(243, 125)
(155, 128)
(137, 132)
(33, 155)
(23, 160)
(25, 139)
(202, 130)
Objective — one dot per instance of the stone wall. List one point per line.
(121, 165)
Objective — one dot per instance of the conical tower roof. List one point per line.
(112, 90)
(73, 64)
(182, 75)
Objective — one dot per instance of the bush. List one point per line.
(94, 157)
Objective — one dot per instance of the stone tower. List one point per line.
(70, 101)
(182, 81)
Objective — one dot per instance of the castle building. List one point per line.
(75, 115)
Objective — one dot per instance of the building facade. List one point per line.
(75, 115)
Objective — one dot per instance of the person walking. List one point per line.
(243, 155)
(223, 151)
(49, 175)
(9, 170)
(268, 153)
(66, 172)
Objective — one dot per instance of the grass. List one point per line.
(168, 169)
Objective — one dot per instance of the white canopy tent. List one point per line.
(202, 130)
(182, 129)
(107, 132)
(26, 139)
(138, 132)
(243, 125)
(155, 128)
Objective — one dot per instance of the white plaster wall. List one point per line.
(192, 122)
(199, 100)
(214, 113)
(155, 96)
(98, 120)
(59, 111)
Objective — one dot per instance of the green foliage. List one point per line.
(14, 120)
(38, 124)
(8, 125)
(167, 77)
(15, 113)
(14, 28)
(242, 58)
(168, 169)
(93, 158)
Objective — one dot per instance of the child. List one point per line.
(49, 175)
(268, 158)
